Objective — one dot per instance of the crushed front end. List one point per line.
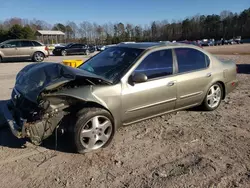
(34, 111)
(27, 119)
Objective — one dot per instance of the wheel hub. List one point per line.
(96, 132)
(214, 96)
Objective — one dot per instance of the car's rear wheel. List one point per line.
(213, 97)
(38, 57)
(63, 53)
(1, 60)
(93, 130)
(87, 52)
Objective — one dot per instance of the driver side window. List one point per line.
(157, 64)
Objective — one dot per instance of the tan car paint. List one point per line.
(132, 102)
(22, 52)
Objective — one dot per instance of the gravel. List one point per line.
(184, 149)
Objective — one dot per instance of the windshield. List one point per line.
(68, 45)
(112, 63)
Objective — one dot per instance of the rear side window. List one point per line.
(12, 44)
(76, 46)
(157, 64)
(36, 43)
(190, 59)
(26, 43)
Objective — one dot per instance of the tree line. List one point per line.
(225, 25)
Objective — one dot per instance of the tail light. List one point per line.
(46, 48)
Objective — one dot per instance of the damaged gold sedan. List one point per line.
(122, 85)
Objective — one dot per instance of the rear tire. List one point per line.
(38, 57)
(1, 60)
(213, 97)
(87, 52)
(94, 129)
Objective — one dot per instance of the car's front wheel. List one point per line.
(213, 97)
(93, 130)
(38, 57)
(63, 53)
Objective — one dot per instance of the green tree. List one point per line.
(28, 33)
(59, 27)
(16, 32)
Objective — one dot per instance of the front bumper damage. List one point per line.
(14, 127)
(37, 130)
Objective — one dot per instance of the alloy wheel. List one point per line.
(96, 133)
(38, 57)
(214, 96)
(64, 53)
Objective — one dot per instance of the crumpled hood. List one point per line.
(35, 78)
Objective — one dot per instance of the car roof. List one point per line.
(148, 45)
(10, 40)
(19, 40)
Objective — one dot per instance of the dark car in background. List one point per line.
(71, 49)
(207, 42)
(92, 48)
(218, 42)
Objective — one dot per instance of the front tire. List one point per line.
(213, 97)
(93, 130)
(63, 53)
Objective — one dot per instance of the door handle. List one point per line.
(209, 75)
(171, 83)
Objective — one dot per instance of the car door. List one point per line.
(82, 49)
(155, 96)
(9, 49)
(26, 49)
(74, 49)
(194, 76)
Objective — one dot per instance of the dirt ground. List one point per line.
(236, 49)
(184, 149)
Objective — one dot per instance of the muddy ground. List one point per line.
(184, 149)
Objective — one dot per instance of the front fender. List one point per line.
(81, 93)
(109, 97)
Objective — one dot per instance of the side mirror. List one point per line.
(139, 78)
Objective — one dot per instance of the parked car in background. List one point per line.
(207, 42)
(101, 48)
(230, 41)
(92, 48)
(71, 49)
(191, 42)
(124, 84)
(218, 42)
(23, 49)
(238, 40)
